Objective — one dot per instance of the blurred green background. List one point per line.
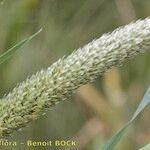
(94, 112)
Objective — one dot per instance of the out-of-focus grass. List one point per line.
(7, 54)
(68, 25)
(114, 140)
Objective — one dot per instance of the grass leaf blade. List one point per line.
(145, 101)
(116, 138)
(12, 50)
(147, 147)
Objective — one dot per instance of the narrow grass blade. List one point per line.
(147, 147)
(143, 104)
(116, 138)
(10, 52)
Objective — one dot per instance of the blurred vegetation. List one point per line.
(67, 25)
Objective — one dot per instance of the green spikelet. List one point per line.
(46, 88)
